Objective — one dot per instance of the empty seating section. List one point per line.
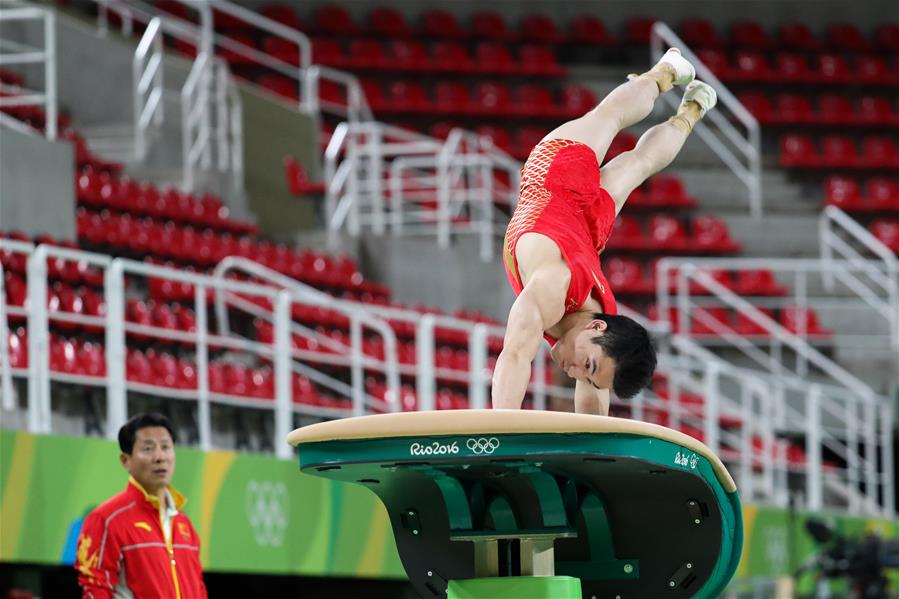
(508, 81)
(830, 100)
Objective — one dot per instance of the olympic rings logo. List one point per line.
(482, 445)
(267, 511)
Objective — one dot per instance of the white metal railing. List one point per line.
(212, 123)
(206, 39)
(356, 108)
(688, 285)
(147, 70)
(427, 327)
(211, 108)
(837, 232)
(740, 151)
(774, 408)
(229, 124)
(744, 415)
(15, 53)
(121, 9)
(284, 358)
(379, 176)
(196, 119)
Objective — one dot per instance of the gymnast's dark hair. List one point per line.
(629, 344)
(128, 432)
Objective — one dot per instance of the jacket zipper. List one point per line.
(168, 544)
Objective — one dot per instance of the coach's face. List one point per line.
(152, 459)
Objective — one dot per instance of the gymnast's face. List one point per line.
(584, 360)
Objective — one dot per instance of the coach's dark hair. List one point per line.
(630, 346)
(128, 432)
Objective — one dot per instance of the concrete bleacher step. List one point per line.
(781, 236)
(719, 190)
(113, 141)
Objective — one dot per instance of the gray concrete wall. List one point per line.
(93, 73)
(37, 194)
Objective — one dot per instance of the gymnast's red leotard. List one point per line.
(560, 198)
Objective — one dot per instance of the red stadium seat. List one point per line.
(283, 14)
(280, 85)
(451, 57)
(749, 34)
(366, 54)
(539, 28)
(748, 327)
(887, 231)
(93, 306)
(668, 190)
(63, 355)
(538, 60)
(873, 70)
(793, 108)
(137, 367)
(498, 135)
(797, 36)
(374, 95)
(527, 137)
(533, 100)
(838, 151)
(757, 282)
(589, 30)
(716, 61)
(887, 37)
(759, 105)
(91, 360)
(441, 129)
(334, 20)
(490, 25)
(408, 55)
(750, 66)
(388, 22)
(844, 36)
(875, 110)
(493, 57)
(832, 68)
(18, 348)
(792, 67)
(843, 193)
(451, 97)
(798, 151)
(834, 109)
(710, 320)
(624, 275)
(492, 99)
(700, 33)
(668, 233)
(626, 233)
(176, 9)
(325, 51)
(70, 303)
(577, 100)
(407, 96)
(794, 318)
(882, 194)
(710, 233)
(440, 24)
(879, 152)
(638, 30)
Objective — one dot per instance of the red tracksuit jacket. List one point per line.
(124, 536)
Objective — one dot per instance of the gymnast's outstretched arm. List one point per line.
(538, 307)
